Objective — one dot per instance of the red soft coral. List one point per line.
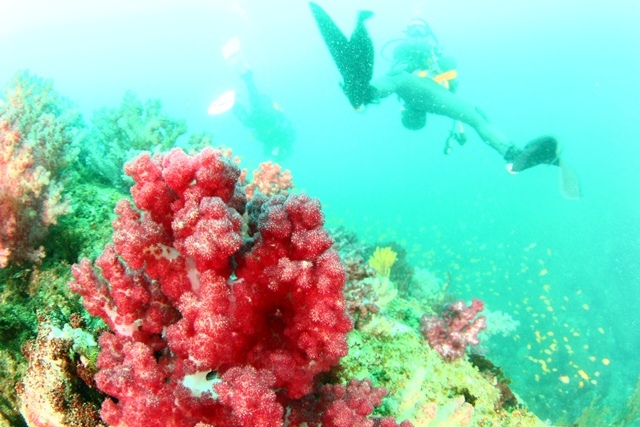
(209, 324)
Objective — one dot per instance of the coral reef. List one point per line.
(119, 134)
(52, 392)
(507, 400)
(426, 286)
(498, 323)
(455, 329)
(161, 358)
(423, 387)
(23, 294)
(270, 180)
(402, 272)
(339, 405)
(382, 260)
(182, 324)
(37, 133)
(359, 295)
(223, 312)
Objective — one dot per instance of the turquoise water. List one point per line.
(557, 266)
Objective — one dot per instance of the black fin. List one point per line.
(353, 57)
(541, 150)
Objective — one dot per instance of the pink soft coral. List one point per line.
(457, 328)
(338, 405)
(36, 134)
(270, 180)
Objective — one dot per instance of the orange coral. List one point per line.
(270, 180)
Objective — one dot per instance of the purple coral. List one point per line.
(450, 333)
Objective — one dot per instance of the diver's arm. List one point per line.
(453, 85)
(448, 63)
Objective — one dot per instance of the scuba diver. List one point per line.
(425, 82)
(261, 114)
(420, 53)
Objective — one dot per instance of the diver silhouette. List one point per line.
(259, 113)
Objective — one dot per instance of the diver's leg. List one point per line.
(426, 95)
(252, 89)
(387, 85)
(412, 118)
(542, 150)
(448, 104)
(420, 94)
(242, 114)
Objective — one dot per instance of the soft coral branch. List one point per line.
(37, 130)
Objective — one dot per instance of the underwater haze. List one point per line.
(567, 270)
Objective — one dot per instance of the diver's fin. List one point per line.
(335, 40)
(569, 185)
(541, 150)
(545, 150)
(353, 57)
(223, 103)
(232, 54)
(362, 51)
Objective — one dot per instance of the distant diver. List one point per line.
(425, 81)
(261, 114)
